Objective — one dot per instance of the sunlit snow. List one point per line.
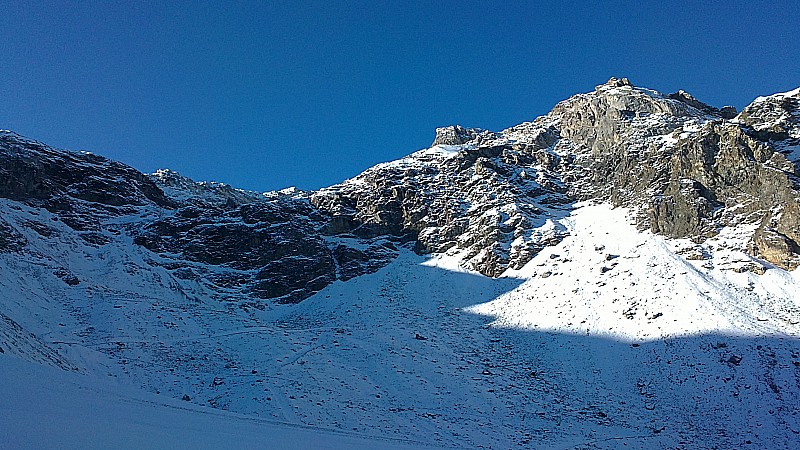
(609, 279)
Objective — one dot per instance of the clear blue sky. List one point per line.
(264, 95)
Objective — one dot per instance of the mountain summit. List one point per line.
(634, 251)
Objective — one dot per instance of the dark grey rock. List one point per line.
(30, 171)
(292, 279)
(685, 97)
(11, 240)
(68, 277)
(728, 112)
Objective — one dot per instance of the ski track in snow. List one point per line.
(608, 338)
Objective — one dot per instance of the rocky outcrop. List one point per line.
(618, 116)
(726, 112)
(33, 172)
(81, 188)
(269, 246)
(10, 239)
(683, 166)
(776, 248)
(202, 194)
(483, 201)
(453, 135)
(773, 118)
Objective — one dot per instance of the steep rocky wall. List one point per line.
(30, 171)
(686, 167)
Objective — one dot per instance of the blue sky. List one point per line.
(264, 95)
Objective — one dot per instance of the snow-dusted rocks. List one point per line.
(37, 174)
(484, 200)
(681, 166)
(268, 249)
(492, 198)
(775, 117)
(453, 135)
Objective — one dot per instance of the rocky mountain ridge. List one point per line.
(686, 168)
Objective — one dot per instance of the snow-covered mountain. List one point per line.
(619, 272)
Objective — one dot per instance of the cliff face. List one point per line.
(685, 167)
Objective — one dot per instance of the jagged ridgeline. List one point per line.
(493, 199)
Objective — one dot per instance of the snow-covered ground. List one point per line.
(48, 408)
(608, 339)
(608, 279)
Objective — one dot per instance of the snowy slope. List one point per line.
(608, 279)
(45, 408)
(426, 354)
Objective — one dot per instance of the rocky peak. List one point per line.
(454, 135)
(187, 191)
(614, 82)
(685, 170)
(618, 114)
(726, 112)
(775, 117)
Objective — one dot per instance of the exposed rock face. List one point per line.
(683, 166)
(726, 112)
(618, 82)
(33, 172)
(10, 239)
(490, 199)
(270, 247)
(775, 121)
(773, 118)
(453, 135)
(80, 187)
(202, 194)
